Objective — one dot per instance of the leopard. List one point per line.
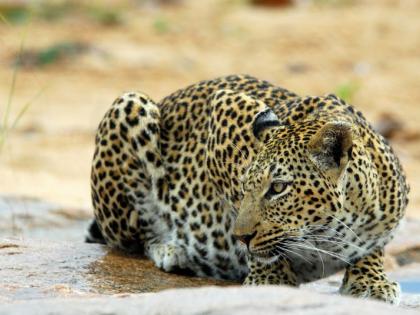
(236, 178)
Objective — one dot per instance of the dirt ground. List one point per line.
(368, 51)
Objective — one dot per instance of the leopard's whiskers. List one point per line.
(326, 252)
(290, 250)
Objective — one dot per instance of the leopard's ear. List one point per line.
(264, 121)
(331, 148)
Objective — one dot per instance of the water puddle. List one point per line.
(117, 272)
(410, 286)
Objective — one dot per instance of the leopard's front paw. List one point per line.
(275, 273)
(261, 280)
(167, 257)
(386, 291)
(270, 279)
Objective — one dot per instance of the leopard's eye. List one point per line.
(277, 189)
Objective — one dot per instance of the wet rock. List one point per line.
(35, 269)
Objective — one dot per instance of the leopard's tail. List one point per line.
(94, 234)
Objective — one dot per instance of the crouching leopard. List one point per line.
(236, 178)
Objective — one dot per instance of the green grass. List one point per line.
(347, 90)
(50, 54)
(161, 25)
(105, 16)
(51, 12)
(16, 15)
(54, 11)
(23, 13)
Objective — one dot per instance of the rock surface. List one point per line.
(210, 300)
(34, 218)
(38, 270)
(46, 266)
(42, 269)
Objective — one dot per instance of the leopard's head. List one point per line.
(295, 185)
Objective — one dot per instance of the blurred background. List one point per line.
(62, 63)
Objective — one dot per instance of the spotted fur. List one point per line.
(235, 178)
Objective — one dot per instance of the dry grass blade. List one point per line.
(5, 127)
(4, 20)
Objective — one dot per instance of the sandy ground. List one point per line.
(374, 45)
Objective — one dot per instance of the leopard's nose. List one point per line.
(246, 238)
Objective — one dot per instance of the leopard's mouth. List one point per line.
(266, 257)
(274, 252)
(267, 253)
